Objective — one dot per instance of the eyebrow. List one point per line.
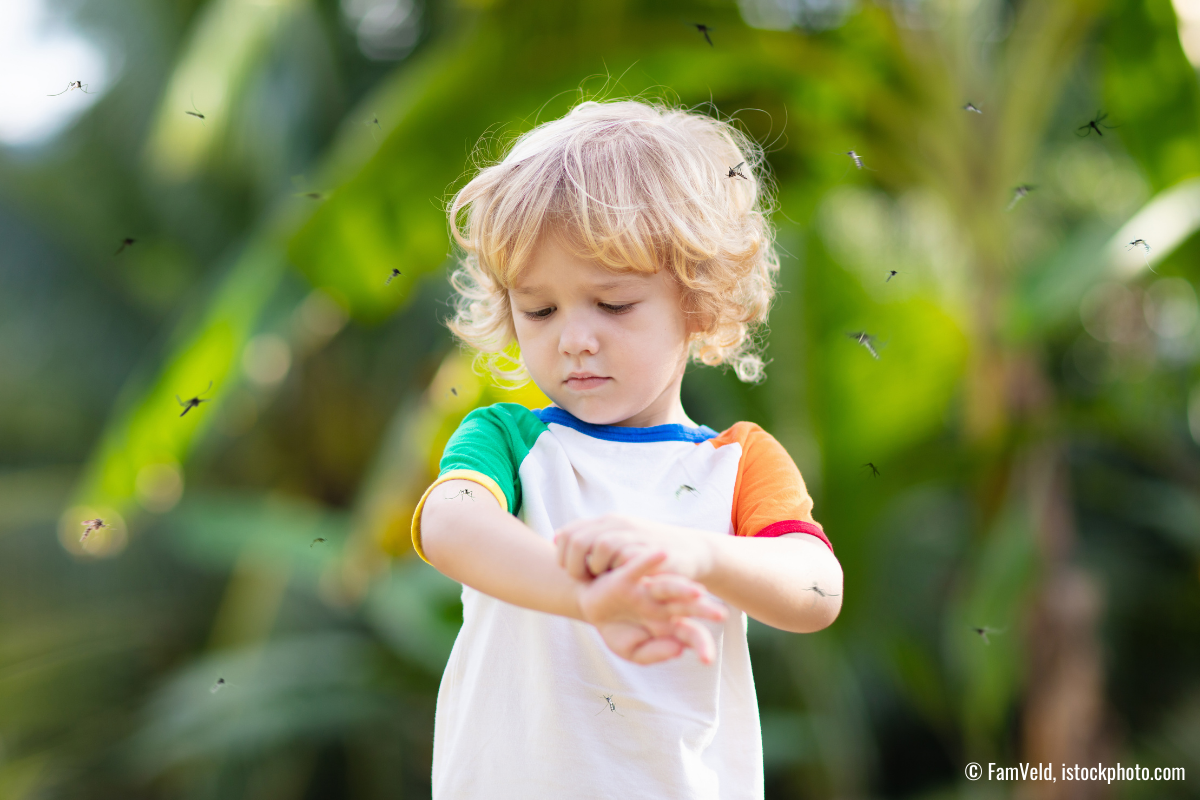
(597, 287)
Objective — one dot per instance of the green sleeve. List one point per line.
(494, 441)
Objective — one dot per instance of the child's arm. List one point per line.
(792, 582)
(471, 539)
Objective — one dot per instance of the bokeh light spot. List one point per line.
(267, 359)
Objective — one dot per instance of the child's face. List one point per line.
(573, 315)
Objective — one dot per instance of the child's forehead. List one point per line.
(598, 283)
(559, 263)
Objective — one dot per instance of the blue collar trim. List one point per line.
(673, 432)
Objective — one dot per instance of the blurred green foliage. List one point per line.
(1034, 415)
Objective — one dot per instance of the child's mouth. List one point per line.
(585, 383)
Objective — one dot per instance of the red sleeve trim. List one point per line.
(795, 526)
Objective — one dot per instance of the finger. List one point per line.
(633, 572)
(575, 528)
(684, 598)
(627, 554)
(708, 608)
(668, 586)
(596, 565)
(657, 649)
(697, 637)
(641, 566)
(701, 608)
(605, 549)
(577, 551)
(591, 561)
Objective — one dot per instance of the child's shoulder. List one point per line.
(503, 427)
(744, 433)
(503, 418)
(507, 413)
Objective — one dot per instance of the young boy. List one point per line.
(601, 538)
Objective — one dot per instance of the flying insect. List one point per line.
(1093, 124)
(866, 340)
(90, 526)
(194, 402)
(80, 85)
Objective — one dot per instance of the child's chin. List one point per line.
(590, 410)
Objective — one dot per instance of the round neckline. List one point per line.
(668, 431)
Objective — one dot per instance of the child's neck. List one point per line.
(648, 418)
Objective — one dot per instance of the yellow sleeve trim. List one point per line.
(453, 475)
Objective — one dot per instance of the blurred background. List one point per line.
(214, 213)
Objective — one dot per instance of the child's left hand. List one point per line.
(591, 547)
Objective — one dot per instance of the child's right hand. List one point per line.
(645, 618)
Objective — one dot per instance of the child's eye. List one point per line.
(609, 307)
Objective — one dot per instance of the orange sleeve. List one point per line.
(769, 496)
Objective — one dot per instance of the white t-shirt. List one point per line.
(534, 705)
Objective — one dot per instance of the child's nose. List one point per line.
(578, 334)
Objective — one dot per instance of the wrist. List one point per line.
(710, 556)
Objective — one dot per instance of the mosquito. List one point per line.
(374, 120)
(314, 541)
(194, 402)
(972, 107)
(395, 274)
(1145, 245)
(1094, 124)
(1020, 193)
(873, 468)
(127, 242)
(195, 112)
(857, 159)
(817, 589)
(866, 340)
(80, 85)
(891, 274)
(90, 526)
(705, 30)
(685, 487)
(460, 494)
(216, 687)
(454, 391)
(608, 698)
(983, 632)
(311, 195)
(736, 172)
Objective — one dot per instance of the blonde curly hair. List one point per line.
(634, 186)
